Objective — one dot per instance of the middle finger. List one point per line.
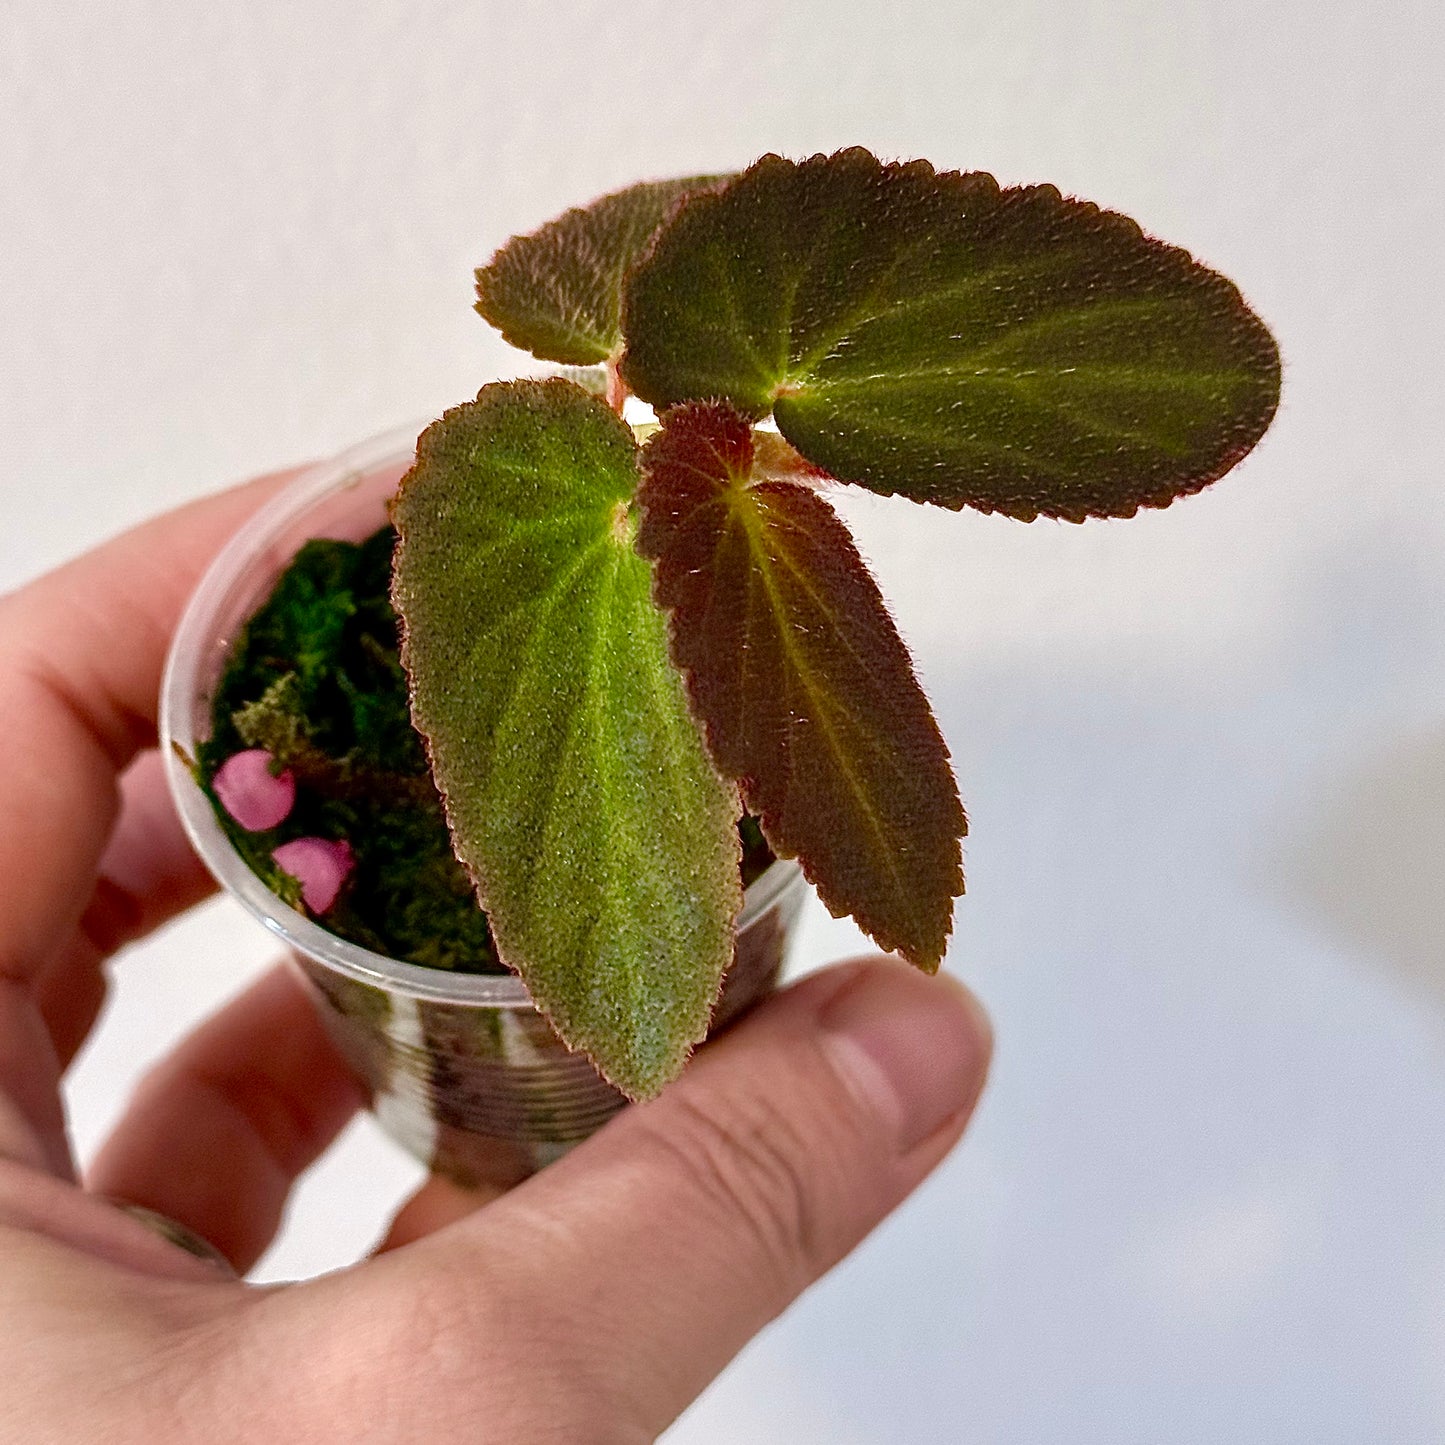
(148, 874)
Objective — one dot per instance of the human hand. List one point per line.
(591, 1303)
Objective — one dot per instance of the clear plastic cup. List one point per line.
(461, 1069)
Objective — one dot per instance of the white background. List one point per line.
(1203, 751)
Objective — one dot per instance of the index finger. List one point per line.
(81, 655)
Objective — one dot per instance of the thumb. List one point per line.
(651, 1254)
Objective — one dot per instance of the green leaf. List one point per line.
(801, 679)
(576, 782)
(935, 336)
(557, 291)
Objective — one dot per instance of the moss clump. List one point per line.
(317, 681)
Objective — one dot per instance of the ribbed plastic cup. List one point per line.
(461, 1069)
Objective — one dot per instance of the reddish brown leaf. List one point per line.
(558, 291)
(799, 676)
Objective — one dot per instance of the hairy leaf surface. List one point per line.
(801, 679)
(936, 336)
(557, 291)
(576, 782)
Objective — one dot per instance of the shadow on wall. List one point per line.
(1357, 844)
(1306, 758)
(1368, 861)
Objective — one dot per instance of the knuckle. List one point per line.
(754, 1172)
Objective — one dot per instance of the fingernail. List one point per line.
(178, 1234)
(913, 1049)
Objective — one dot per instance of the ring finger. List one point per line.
(218, 1133)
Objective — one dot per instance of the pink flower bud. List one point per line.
(251, 793)
(319, 866)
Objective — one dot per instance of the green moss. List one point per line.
(316, 680)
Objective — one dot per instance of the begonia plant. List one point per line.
(618, 637)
